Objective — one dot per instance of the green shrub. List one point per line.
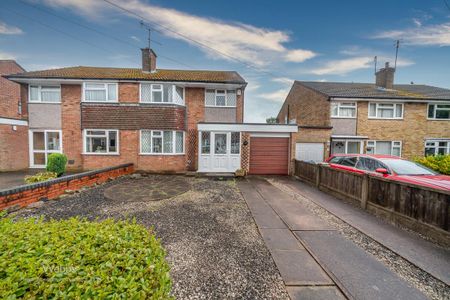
(42, 176)
(78, 259)
(439, 163)
(56, 162)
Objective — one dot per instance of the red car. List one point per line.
(392, 167)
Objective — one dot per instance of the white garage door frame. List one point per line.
(310, 151)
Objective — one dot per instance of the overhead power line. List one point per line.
(96, 31)
(185, 37)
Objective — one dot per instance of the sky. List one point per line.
(270, 43)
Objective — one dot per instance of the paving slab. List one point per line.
(357, 273)
(280, 239)
(293, 213)
(297, 267)
(429, 257)
(314, 293)
(269, 220)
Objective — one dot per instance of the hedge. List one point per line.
(39, 177)
(439, 163)
(78, 259)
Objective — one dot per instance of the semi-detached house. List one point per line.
(161, 120)
(406, 120)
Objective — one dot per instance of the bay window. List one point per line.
(98, 141)
(435, 147)
(100, 92)
(385, 110)
(384, 147)
(45, 93)
(439, 111)
(343, 109)
(161, 142)
(161, 93)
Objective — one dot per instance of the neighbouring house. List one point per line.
(406, 120)
(161, 120)
(13, 120)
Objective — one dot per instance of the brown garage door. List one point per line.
(269, 155)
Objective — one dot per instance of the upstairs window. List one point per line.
(343, 109)
(439, 111)
(162, 93)
(386, 110)
(220, 98)
(100, 92)
(45, 93)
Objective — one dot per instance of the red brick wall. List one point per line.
(240, 107)
(9, 91)
(13, 148)
(129, 92)
(51, 190)
(71, 125)
(195, 112)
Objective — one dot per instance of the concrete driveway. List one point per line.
(15, 178)
(322, 257)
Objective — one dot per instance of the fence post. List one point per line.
(365, 191)
(319, 168)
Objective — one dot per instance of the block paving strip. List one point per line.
(314, 259)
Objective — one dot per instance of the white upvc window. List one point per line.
(343, 109)
(385, 110)
(100, 92)
(220, 98)
(439, 111)
(159, 93)
(435, 147)
(101, 141)
(161, 142)
(44, 93)
(384, 147)
(344, 146)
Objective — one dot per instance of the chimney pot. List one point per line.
(148, 60)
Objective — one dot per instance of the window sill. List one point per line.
(219, 106)
(162, 103)
(431, 119)
(98, 153)
(43, 102)
(99, 101)
(392, 119)
(161, 154)
(343, 117)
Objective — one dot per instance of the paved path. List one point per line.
(314, 260)
(425, 255)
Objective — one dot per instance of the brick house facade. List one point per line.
(150, 117)
(404, 120)
(13, 121)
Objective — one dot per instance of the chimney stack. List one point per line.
(385, 77)
(148, 60)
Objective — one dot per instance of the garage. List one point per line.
(309, 151)
(269, 155)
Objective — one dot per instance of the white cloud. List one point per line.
(347, 65)
(133, 37)
(8, 29)
(283, 80)
(421, 35)
(276, 96)
(299, 55)
(6, 55)
(255, 45)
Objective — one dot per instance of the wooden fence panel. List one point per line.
(343, 182)
(306, 171)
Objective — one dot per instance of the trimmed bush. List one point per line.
(439, 163)
(78, 259)
(56, 162)
(42, 176)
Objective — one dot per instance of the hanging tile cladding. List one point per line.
(132, 117)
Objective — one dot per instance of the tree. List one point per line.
(271, 120)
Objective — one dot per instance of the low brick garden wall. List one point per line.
(51, 189)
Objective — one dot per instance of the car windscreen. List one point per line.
(405, 167)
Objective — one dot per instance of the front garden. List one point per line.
(438, 163)
(78, 259)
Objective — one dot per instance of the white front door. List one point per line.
(42, 143)
(219, 151)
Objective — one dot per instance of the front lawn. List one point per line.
(79, 259)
